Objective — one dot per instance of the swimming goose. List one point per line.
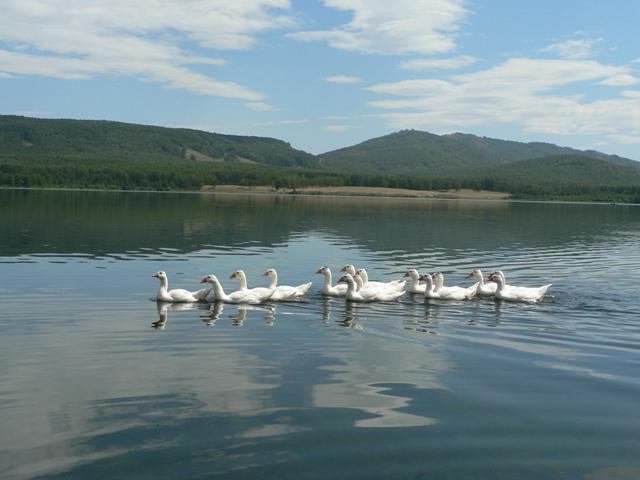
(428, 286)
(339, 290)
(396, 285)
(177, 295)
(414, 279)
(365, 295)
(239, 296)
(264, 293)
(488, 288)
(452, 293)
(517, 294)
(284, 292)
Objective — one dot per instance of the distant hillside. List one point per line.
(566, 169)
(81, 138)
(412, 152)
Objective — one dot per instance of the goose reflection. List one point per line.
(350, 315)
(164, 308)
(326, 308)
(240, 315)
(214, 314)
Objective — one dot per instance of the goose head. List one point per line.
(270, 273)
(428, 279)
(497, 277)
(347, 278)
(348, 268)
(237, 275)
(161, 275)
(412, 273)
(323, 270)
(476, 274)
(209, 279)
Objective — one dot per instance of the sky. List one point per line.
(325, 74)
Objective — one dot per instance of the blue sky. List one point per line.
(323, 74)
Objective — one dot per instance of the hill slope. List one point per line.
(31, 136)
(566, 169)
(412, 152)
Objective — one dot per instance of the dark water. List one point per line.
(97, 381)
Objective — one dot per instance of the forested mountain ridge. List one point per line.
(33, 136)
(413, 152)
(38, 153)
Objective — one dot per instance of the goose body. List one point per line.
(177, 295)
(263, 293)
(339, 290)
(517, 294)
(452, 293)
(239, 296)
(485, 289)
(367, 295)
(396, 285)
(285, 292)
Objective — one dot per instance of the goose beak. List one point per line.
(232, 276)
(266, 274)
(406, 274)
(470, 274)
(156, 275)
(319, 270)
(204, 280)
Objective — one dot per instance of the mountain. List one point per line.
(413, 152)
(106, 139)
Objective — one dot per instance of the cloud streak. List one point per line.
(520, 91)
(402, 26)
(148, 39)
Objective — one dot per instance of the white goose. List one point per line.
(428, 286)
(239, 296)
(339, 290)
(452, 293)
(367, 295)
(177, 295)
(351, 270)
(488, 288)
(445, 293)
(397, 285)
(414, 279)
(264, 293)
(284, 292)
(517, 294)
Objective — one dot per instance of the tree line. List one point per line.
(106, 173)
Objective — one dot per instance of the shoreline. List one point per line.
(339, 192)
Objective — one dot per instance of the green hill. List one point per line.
(412, 152)
(105, 139)
(565, 169)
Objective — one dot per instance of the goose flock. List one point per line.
(354, 285)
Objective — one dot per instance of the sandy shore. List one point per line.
(366, 191)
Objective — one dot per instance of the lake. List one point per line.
(99, 381)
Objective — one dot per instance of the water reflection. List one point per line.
(86, 387)
(165, 307)
(172, 224)
(238, 313)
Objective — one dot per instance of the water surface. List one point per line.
(98, 381)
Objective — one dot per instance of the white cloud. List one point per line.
(620, 81)
(574, 48)
(147, 39)
(258, 106)
(342, 79)
(401, 26)
(439, 63)
(337, 128)
(520, 91)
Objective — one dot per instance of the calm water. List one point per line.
(97, 381)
